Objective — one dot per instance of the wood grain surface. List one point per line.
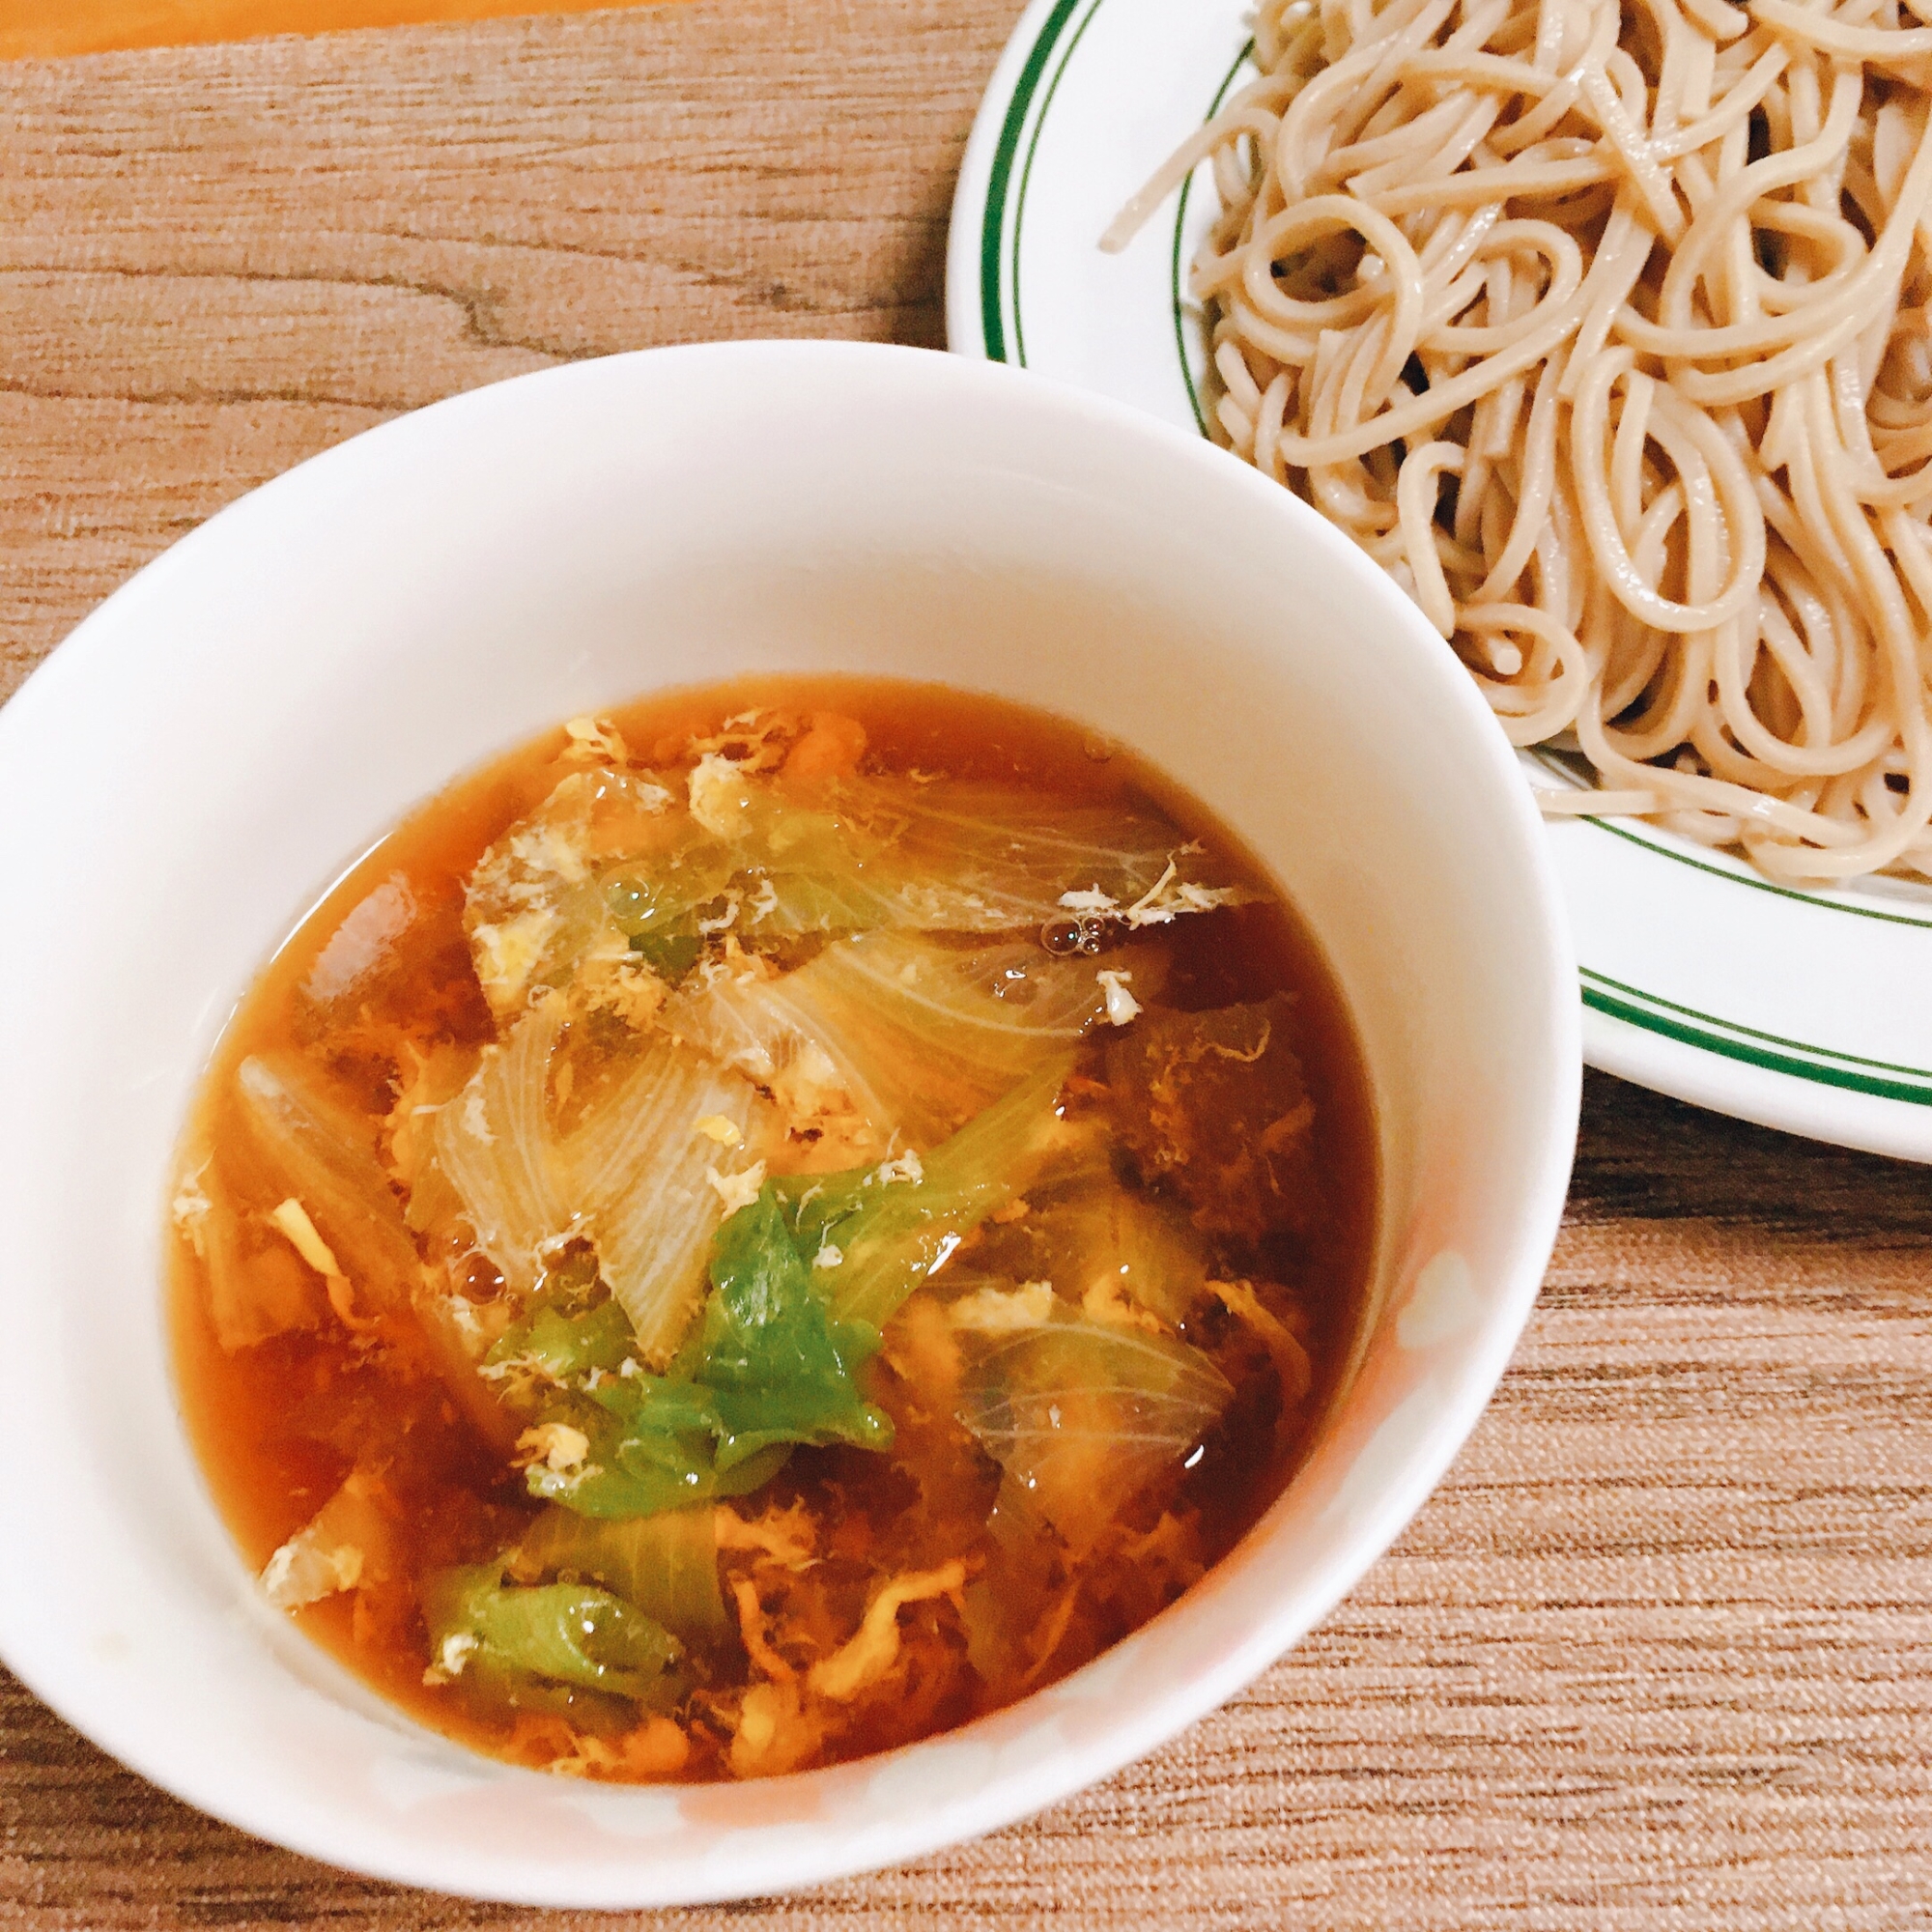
(1657, 1655)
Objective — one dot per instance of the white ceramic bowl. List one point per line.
(196, 763)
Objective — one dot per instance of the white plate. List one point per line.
(1803, 1010)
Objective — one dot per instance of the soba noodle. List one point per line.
(1605, 330)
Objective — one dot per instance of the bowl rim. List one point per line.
(92, 650)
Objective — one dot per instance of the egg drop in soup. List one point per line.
(767, 1225)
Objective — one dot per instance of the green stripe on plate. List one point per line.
(1750, 1047)
(1241, 60)
(1026, 172)
(992, 325)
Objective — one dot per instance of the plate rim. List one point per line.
(1818, 1093)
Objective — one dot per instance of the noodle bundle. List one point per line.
(1606, 330)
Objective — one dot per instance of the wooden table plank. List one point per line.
(216, 262)
(1659, 1654)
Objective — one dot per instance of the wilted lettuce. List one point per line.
(634, 1177)
(536, 904)
(495, 1146)
(323, 1155)
(780, 1365)
(642, 1171)
(659, 861)
(311, 1145)
(563, 1634)
(767, 1366)
(875, 1233)
(558, 1346)
(1085, 1414)
(898, 1038)
(666, 1565)
(1104, 1244)
(952, 856)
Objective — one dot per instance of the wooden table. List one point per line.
(1657, 1655)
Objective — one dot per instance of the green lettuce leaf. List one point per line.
(652, 1447)
(568, 1633)
(894, 1227)
(766, 1367)
(666, 1565)
(556, 1346)
(781, 1369)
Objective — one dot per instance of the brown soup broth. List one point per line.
(285, 1400)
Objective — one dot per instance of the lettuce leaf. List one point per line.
(633, 1177)
(536, 902)
(495, 1146)
(555, 1345)
(894, 1227)
(323, 1155)
(781, 1369)
(1104, 1246)
(767, 1366)
(659, 862)
(310, 1142)
(666, 1565)
(651, 1438)
(1085, 1414)
(897, 1038)
(640, 1174)
(652, 1444)
(568, 1633)
(952, 856)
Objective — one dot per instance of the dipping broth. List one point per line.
(766, 1225)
